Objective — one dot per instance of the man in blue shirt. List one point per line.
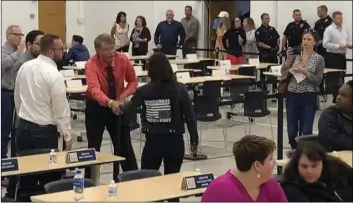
(169, 34)
(78, 51)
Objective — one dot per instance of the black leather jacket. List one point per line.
(165, 109)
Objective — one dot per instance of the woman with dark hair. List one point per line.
(335, 123)
(166, 106)
(251, 180)
(120, 32)
(308, 68)
(140, 36)
(250, 46)
(313, 176)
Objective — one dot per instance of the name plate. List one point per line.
(9, 165)
(197, 181)
(81, 156)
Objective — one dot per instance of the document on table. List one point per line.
(298, 76)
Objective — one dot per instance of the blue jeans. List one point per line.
(7, 108)
(301, 110)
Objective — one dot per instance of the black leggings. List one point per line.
(123, 49)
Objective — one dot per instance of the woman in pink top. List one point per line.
(252, 181)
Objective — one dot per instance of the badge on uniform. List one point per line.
(301, 25)
(326, 20)
(257, 32)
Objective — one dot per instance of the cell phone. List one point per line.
(296, 50)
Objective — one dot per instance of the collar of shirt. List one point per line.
(169, 23)
(105, 64)
(336, 26)
(47, 60)
(29, 56)
(265, 26)
(188, 17)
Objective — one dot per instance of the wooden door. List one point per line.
(52, 18)
(214, 7)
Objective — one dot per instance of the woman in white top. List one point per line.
(250, 46)
(120, 32)
(223, 27)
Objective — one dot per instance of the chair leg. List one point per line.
(245, 129)
(225, 135)
(200, 142)
(273, 137)
(250, 124)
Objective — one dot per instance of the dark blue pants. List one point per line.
(7, 108)
(301, 110)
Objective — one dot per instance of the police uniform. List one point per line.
(165, 109)
(294, 33)
(320, 27)
(269, 36)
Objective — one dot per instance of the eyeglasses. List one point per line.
(17, 34)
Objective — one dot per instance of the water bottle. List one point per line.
(78, 185)
(112, 189)
(52, 157)
(197, 172)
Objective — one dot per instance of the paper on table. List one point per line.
(298, 76)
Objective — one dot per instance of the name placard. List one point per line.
(81, 156)
(10, 164)
(197, 181)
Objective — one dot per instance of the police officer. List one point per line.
(294, 31)
(320, 26)
(165, 106)
(267, 39)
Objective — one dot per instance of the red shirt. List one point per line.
(96, 76)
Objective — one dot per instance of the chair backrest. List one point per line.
(138, 174)
(219, 72)
(255, 103)
(191, 56)
(247, 70)
(304, 138)
(64, 185)
(207, 103)
(238, 87)
(182, 75)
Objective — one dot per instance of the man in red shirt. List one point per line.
(106, 72)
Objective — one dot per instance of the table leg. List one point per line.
(95, 174)
(280, 130)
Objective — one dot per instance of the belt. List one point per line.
(6, 90)
(30, 124)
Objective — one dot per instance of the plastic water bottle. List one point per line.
(78, 185)
(197, 172)
(112, 190)
(52, 157)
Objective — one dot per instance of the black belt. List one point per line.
(338, 54)
(6, 90)
(29, 124)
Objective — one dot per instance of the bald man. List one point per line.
(169, 34)
(10, 54)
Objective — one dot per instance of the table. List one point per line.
(147, 190)
(145, 73)
(76, 77)
(73, 68)
(145, 57)
(346, 156)
(40, 164)
(187, 61)
(203, 79)
(326, 70)
(83, 88)
(236, 67)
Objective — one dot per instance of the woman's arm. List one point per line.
(132, 34)
(113, 30)
(315, 79)
(251, 38)
(288, 63)
(146, 35)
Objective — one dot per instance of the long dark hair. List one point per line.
(118, 17)
(331, 166)
(160, 70)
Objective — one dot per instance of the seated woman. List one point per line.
(313, 176)
(252, 180)
(335, 123)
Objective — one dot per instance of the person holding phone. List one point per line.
(165, 107)
(304, 74)
(140, 36)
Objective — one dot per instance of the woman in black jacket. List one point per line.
(166, 106)
(313, 176)
(335, 123)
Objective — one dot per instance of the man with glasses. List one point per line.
(106, 72)
(10, 53)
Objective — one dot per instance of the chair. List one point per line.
(206, 105)
(332, 83)
(65, 185)
(138, 174)
(304, 138)
(247, 70)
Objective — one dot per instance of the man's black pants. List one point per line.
(168, 49)
(336, 61)
(168, 148)
(189, 47)
(30, 136)
(99, 118)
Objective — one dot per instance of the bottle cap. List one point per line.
(52, 150)
(112, 181)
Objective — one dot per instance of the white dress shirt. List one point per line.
(40, 95)
(334, 37)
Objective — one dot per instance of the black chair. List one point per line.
(332, 83)
(138, 174)
(247, 70)
(65, 185)
(206, 104)
(304, 138)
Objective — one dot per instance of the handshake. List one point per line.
(116, 106)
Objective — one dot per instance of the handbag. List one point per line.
(283, 83)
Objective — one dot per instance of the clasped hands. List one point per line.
(116, 106)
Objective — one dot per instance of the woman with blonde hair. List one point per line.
(223, 27)
(250, 46)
